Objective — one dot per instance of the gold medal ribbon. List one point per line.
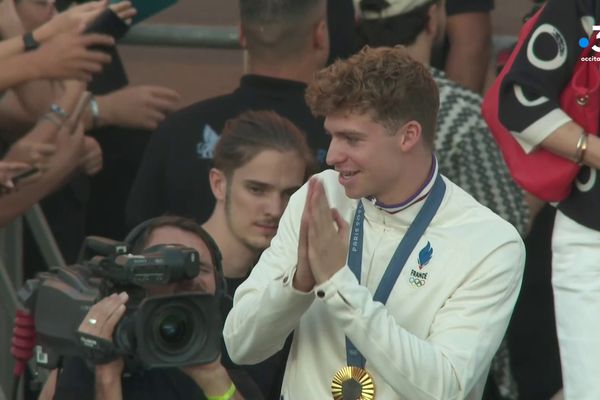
(352, 383)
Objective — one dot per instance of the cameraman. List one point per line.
(209, 381)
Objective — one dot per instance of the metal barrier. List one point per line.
(11, 276)
(216, 37)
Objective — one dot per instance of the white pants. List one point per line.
(576, 285)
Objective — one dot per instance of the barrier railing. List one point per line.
(11, 276)
(200, 36)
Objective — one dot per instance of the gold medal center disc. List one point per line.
(352, 383)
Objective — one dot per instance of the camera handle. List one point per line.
(96, 349)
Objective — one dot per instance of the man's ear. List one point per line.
(409, 135)
(242, 36)
(433, 23)
(218, 183)
(321, 36)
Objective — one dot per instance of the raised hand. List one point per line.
(304, 279)
(124, 10)
(73, 20)
(137, 106)
(327, 236)
(68, 56)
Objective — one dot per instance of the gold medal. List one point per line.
(352, 383)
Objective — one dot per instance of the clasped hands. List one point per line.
(323, 241)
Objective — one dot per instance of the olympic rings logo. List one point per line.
(416, 281)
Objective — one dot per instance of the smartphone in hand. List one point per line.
(108, 23)
(16, 180)
(24, 174)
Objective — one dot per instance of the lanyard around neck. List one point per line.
(404, 249)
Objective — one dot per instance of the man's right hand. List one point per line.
(68, 56)
(303, 278)
(100, 321)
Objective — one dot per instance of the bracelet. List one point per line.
(58, 110)
(51, 118)
(95, 112)
(228, 395)
(581, 148)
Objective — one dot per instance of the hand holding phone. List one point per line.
(147, 8)
(108, 23)
(124, 10)
(11, 173)
(19, 177)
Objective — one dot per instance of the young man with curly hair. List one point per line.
(393, 279)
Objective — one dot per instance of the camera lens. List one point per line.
(183, 329)
(173, 328)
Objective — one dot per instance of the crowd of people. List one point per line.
(350, 208)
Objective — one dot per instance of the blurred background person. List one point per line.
(287, 42)
(260, 160)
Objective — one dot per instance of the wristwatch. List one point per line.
(30, 42)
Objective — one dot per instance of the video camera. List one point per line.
(156, 331)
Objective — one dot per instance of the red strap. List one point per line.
(23, 340)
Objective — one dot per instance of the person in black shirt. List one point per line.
(342, 25)
(287, 42)
(260, 160)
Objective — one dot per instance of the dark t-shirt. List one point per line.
(76, 382)
(467, 6)
(342, 24)
(122, 150)
(173, 176)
